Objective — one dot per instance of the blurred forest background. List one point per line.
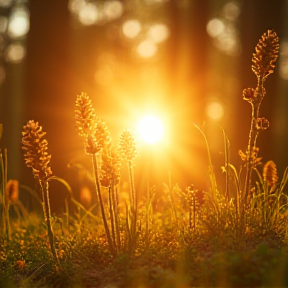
(185, 60)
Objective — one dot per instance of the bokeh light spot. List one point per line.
(131, 28)
(147, 49)
(113, 9)
(18, 25)
(88, 14)
(158, 33)
(231, 10)
(150, 129)
(5, 3)
(15, 53)
(214, 110)
(215, 27)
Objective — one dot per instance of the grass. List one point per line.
(169, 238)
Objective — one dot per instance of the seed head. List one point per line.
(253, 159)
(35, 150)
(12, 191)
(127, 146)
(110, 167)
(90, 126)
(265, 56)
(84, 115)
(270, 174)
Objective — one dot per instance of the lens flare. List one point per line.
(150, 129)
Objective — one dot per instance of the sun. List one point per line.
(150, 129)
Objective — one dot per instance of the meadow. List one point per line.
(233, 236)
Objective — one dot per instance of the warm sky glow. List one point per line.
(150, 129)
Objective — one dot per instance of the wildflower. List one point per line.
(84, 115)
(270, 174)
(110, 168)
(253, 159)
(127, 146)
(12, 191)
(265, 56)
(35, 150)
(90, 126)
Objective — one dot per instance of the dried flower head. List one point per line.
(84, 115)
(265, 56)
(35, 150)
(254, 159)
(270, 175)
(127, 146)
(12, 191)
(90, 126)
(193, 195)
(102, 134)
(110, 167)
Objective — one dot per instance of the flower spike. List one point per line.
(265, 56)
(35, 150)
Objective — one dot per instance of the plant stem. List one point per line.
(116, 216)
(111, 210)
(47, 215)
(133, 205)
(97, 184)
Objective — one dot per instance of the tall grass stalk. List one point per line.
(98, 189)
(36, 156)
(47, 215)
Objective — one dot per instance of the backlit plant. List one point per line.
(230, 234)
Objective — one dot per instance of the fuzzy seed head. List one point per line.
(270, 175)
(265, 56)
(110, 167)
(12, 191)
(84, 115)
(35, 150)
(90, 126)
(127, 146)
(102, 135)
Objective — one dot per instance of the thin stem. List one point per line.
(133, 205)
(111, 210)
(116, 216)
(3, 201)
(97, 184)
(47, 214)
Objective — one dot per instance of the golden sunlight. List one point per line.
(150, 129)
